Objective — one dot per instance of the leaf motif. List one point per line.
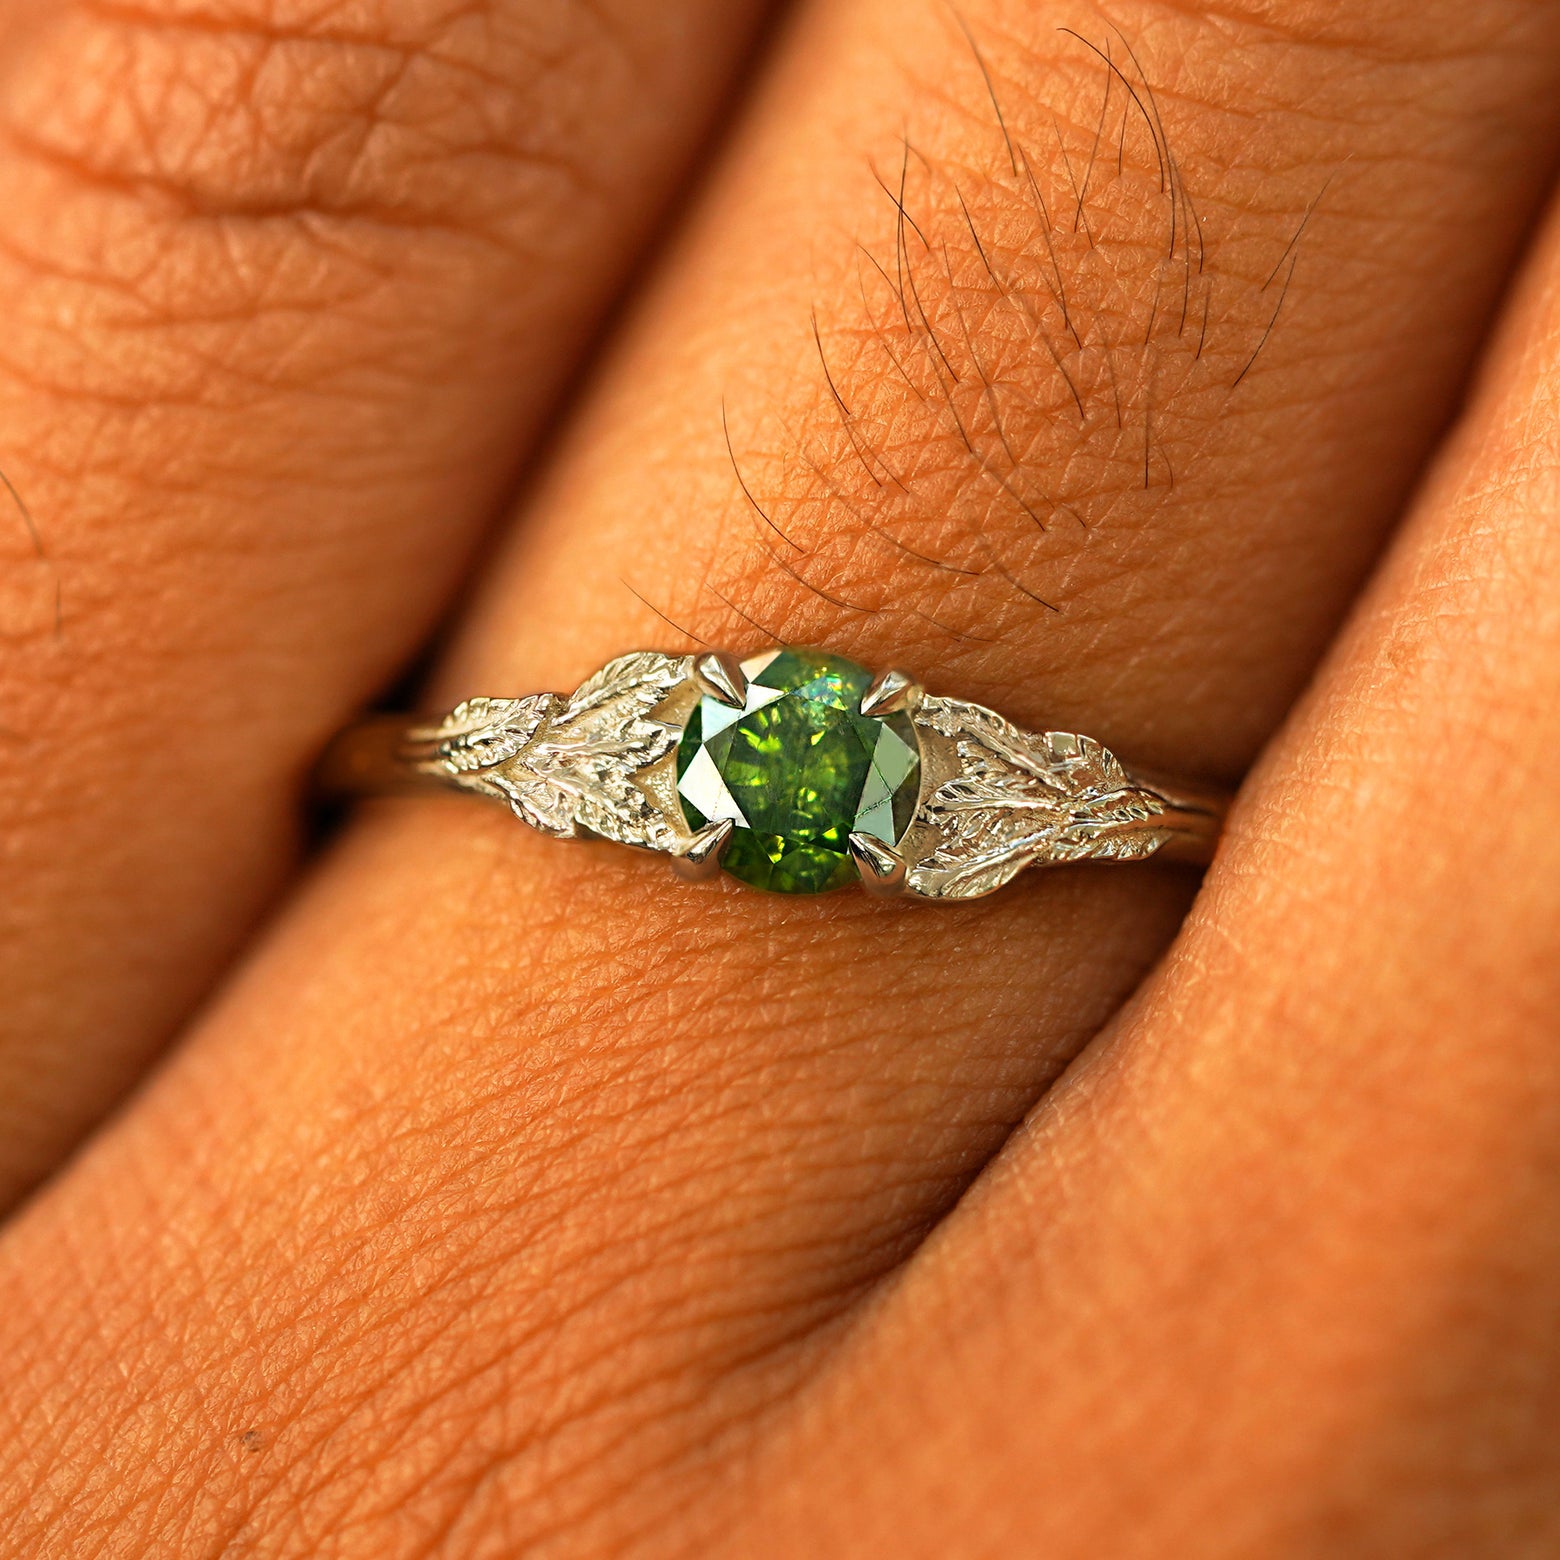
(646, 676)
(1088, 764)
(1020, 798)
(542, 805)
(978, 790)
(948, 875)
(567, 766)
(481, 733)
(593, 747)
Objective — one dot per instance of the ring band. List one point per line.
(795, 769)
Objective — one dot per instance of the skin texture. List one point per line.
(506, 1204)
(289, 288)
(1357, 1264)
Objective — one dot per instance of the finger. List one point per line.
(1281, 1269)
(287, 289)
(582, 1168)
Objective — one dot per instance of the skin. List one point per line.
(508, 1202)
(289, 290)
(1355, 1266)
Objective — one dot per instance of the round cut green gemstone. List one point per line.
(798, 770)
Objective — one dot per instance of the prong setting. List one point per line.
(891, 692)
(882, 868)
(697, 860)
(719, 675)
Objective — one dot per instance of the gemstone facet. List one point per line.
(798, 770)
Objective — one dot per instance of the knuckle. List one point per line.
(251, 112)
(221, 219)
(230, 201)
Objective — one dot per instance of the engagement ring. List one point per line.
(794, 770)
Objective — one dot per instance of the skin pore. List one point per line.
(513, 1201)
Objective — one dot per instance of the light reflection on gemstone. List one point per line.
(798, 770)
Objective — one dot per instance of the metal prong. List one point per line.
(882, 868)
(891, 692)
(697, 860)
(720, 676)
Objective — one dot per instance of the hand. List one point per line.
(510, 1199)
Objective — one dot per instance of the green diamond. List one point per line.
(798, 770)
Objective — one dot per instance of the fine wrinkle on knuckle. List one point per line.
(244, 112)
(220, 211)
(182, 177)
(1046, 330)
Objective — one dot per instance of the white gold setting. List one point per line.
(601, 763)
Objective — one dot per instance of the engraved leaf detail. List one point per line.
(567, 766)
(483, 732)
(1019, 798)
(590, 751)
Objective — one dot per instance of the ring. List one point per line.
(794, 770)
